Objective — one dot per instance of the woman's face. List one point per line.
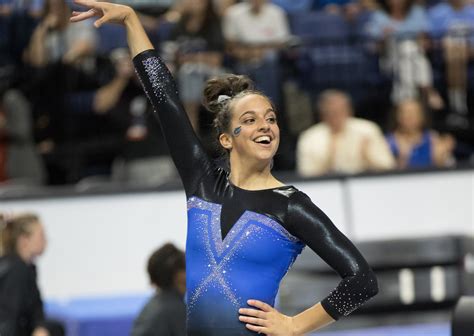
(410, 116)
(254, 132)
(35, 241)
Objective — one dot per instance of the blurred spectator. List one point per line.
(31, 7)
(55, 39)
(21, 308)
(452, 22)
(401, 29)
(142, 157)
(17, 22)
(222, 6)
(199, 55)
(165, 313)
(413, 144)
(255, 31)
(341, 143)
(19, 160)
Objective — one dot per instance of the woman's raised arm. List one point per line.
(189, 156)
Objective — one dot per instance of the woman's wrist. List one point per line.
(130, 16)
(295, 330)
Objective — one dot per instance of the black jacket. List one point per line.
(21, 307)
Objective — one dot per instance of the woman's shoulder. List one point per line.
(12, 265)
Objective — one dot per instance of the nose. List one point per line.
(264, 125)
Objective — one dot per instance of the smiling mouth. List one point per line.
(263, 140)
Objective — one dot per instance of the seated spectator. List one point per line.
(413, 144)
(143, 157)
(341, 143)
(19, 161)
(200, 47)
(452, 22)
(21, 308)
(55, 39)
(165, 313)
(255, 31)
(401, 28)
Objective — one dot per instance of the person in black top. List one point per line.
(245, 228)
(21, 307)
(165, 313)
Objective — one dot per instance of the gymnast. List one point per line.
(245, 228)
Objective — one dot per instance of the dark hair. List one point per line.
(406, 9)
(12, 228)
(220, 92)
(211, 20)
(164, 264)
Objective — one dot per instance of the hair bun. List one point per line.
(226, 85)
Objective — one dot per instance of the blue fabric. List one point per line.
(443, 18)
(439, 329)
(294, 5)
(319, 26)
(420, 155)
(248, 264)
(416, 22)
(97, 316)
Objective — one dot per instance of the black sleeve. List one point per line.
(188, 154)
(37, 309)
(13, 290)
(315, 229)
(215, 38)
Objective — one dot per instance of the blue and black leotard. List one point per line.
(241, 243)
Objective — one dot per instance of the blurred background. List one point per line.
(375, 103)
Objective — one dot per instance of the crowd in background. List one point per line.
(358, 85)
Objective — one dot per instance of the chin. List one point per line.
(265, 157)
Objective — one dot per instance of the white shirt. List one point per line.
(240, 24)
(359, 147)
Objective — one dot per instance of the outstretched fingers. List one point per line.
(80, 16)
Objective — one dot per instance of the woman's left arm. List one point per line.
(310, 224)
(358, 283)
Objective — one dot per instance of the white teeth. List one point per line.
(263, 138)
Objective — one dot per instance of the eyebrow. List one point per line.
(253, 112)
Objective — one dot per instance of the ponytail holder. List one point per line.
(222, 98)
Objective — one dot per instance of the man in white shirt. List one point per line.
(341, 143)
(254, 31)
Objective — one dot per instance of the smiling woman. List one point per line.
(245, 228)
(255, 135)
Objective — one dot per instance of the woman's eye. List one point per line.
(249, 121)
(272, 120)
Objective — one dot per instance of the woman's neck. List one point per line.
(25, 256)
(410, 135)
(398, 14)
(252, 177)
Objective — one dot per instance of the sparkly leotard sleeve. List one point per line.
(241, 243)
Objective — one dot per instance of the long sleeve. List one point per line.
(316, 230)
(188, 154)
(37, 301)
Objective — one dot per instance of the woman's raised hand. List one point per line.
(105, 11)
